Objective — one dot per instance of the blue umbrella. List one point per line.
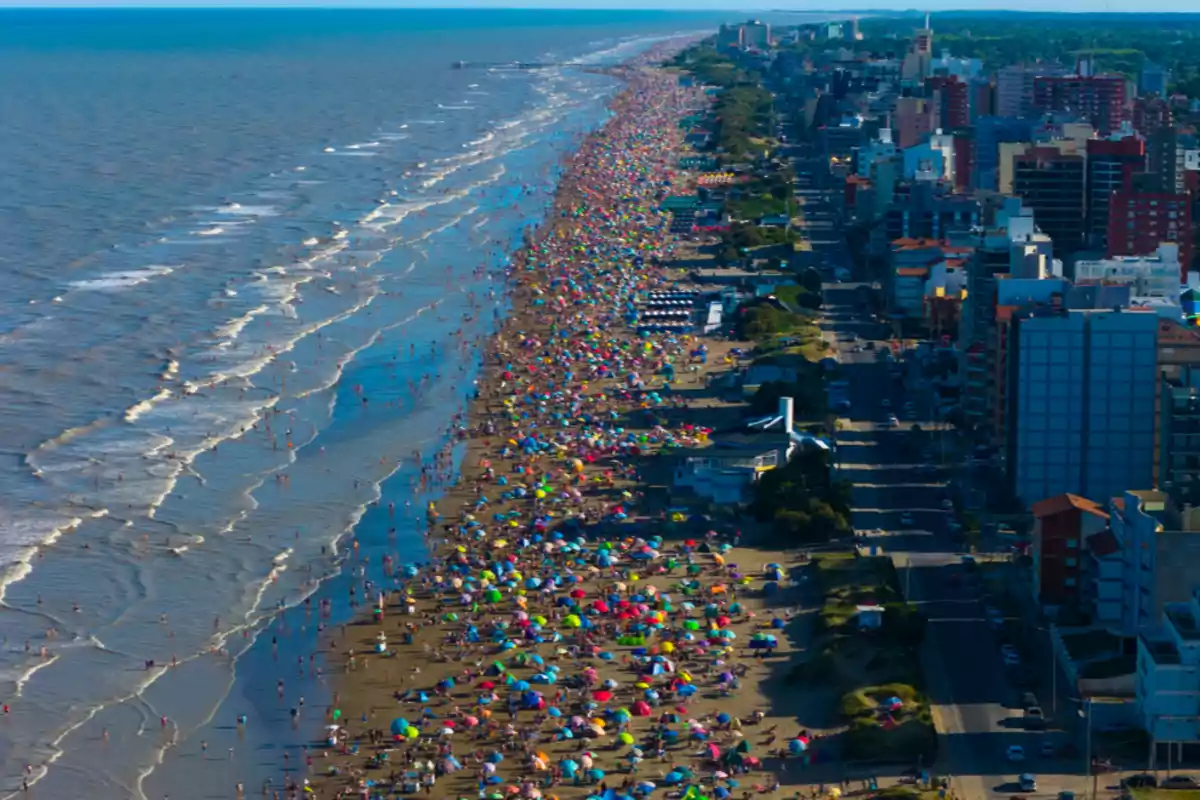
(399, 725)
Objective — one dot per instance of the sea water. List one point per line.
(240, 250)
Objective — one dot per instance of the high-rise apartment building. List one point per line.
(1052, 183)
(1081, 404)
(1100, 99)
(1014, 91)
(1138, 222)
(1153, 79)
(951, 101)
(1111, 164)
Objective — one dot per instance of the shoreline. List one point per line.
(372, 708)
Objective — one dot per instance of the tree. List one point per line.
(810, 279)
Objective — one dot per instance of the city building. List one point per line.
(1153, 79)
(1100, 99)
(1156, 275)
(1111, 164)
(1139, 222)
(1160, 554)
(875, 150)
(1151, 114)
(842, 139)
(918, 62)
(1168, 677)
(913, 121)
(1051, 183)
(1014, 91)
(1081, 402)
(982, 97)
(987, 364)
(1178, 435)
(755, 35)
(926, 210)
(951, 101)
(1012, 248)
(990, 133)
(1166, 162)
(1061, 527)
(963, 68)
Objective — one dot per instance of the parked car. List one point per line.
(1015, 753)
(1048, 749)
(1028, 700)
(906, 519)
(1035, 719)
(1180, 782)
(1027, 782)
(1140, 781)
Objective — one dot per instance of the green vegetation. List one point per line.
(871, 667)
(713, 68)
(1119, 43)
(743, 116)
(802, 501)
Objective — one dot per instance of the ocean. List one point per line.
(245, 256)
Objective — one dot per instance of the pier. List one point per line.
(503, 65)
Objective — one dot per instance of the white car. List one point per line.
(891, 422)
(1027, 782)
(1015, 753)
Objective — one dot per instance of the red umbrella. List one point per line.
(487, 685)
(578, 594)
(602, 696)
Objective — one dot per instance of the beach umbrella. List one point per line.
(625, 738)
(399, 725)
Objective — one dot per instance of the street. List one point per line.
(901, 508)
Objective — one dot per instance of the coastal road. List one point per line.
(900, 503)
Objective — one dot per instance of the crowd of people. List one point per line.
(551, 647)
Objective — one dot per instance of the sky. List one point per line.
(739, 6)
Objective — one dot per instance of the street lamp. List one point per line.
(1086, 713)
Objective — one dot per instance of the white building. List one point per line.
(1158, 275)
(965, 68)
(1168, 675)
(876, 150)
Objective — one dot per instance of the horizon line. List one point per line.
(285, 6)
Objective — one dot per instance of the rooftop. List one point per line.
(1181, 617)
(1162, 652)
(1066, 502)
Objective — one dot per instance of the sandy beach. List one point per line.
(553, 647)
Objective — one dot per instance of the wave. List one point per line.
(239, 210)
(214, 231)
(122, 279)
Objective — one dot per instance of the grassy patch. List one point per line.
(903, 743)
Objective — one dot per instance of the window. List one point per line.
(1071, 562)
(1072, 544)
(1069, 582)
